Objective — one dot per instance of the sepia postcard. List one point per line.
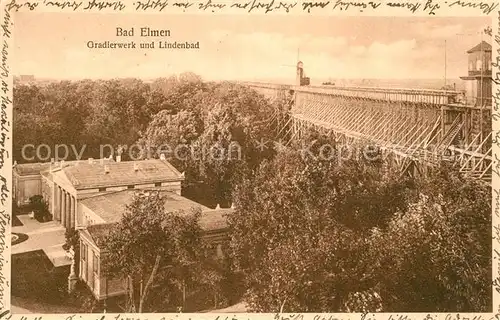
(249, 159)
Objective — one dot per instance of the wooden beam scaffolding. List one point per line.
(410, 126)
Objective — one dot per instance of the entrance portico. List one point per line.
(65, 207)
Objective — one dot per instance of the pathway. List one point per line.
(47, 236)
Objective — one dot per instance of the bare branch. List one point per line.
(149, 283)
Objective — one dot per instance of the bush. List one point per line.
(73, 242)
(40, 208)
(36, 202)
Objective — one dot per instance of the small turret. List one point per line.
(301, 79)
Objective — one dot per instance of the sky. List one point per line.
(246, 47)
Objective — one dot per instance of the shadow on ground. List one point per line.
(17, 212)
(16, 222)
(20, 237)
(34, 277)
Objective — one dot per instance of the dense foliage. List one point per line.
(160, 252)
(214, 137)
(312, 235)
(85, 114)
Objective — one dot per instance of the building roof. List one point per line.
(482, 46)
(213, 220)
(111, 205)
(99, 231)
(93, 175)
(36, 168)
(28, 169)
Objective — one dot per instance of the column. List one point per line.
(63, 208)
(68, 211)
(59, 203)
(55, 199)
(72, 212)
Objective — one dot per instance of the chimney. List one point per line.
(162, 157)
(106, 169)
(119, 153)
(91, 160)
(136, 166)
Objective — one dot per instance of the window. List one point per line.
(102, 189)
(84, 252)
(479, 66)
(131, 187)
(96, 263)
(158, 184)
(83, 258)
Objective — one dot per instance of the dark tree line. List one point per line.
(83, 113)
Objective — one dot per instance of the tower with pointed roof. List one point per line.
(478, 81)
